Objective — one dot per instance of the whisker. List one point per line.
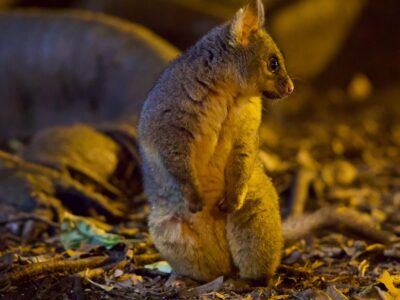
(297, 78)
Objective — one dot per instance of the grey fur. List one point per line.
(213, 208)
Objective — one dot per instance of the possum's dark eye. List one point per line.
(273, 64)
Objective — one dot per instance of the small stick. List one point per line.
(300, 192)
(147, 258)
(97, 272)
(32, 217)
(344, 220)
(50, 267)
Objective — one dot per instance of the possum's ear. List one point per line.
(247, 20)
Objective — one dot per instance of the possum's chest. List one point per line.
(221, 128)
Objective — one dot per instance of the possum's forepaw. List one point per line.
(233, 201)
(223, 205)
(195, 207)
(193, 199)
(227, 207)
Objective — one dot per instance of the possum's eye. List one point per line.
(273, 64)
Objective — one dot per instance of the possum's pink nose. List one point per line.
(289, 86)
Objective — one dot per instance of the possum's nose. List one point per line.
(286, 87)
(289, 86)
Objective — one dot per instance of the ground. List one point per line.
(333, 147)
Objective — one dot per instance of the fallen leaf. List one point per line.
(387, 280)
(124, 284)
(362, 268)
(213, 286)
(136, 279)
(78, 231)
(118, 273)
(161, 266)
(335, 294)
(105, 287)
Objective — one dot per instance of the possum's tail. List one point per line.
(345, 220)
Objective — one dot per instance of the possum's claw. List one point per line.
(235, 201)
(195, 207)
(192, 198)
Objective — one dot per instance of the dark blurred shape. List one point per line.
(105, 157)
(312, 32)
(44, 3)
(88, 67)
(182, 22)
(87, 170)
(79, 149)
(329, 41)
(7, 3)
(179, 21)
(59, 68)
(372, 47)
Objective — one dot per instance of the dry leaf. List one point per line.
(136, 279)
(362, 268)
(335, 294)
(387, 280)
(106, 287)
(213, 286)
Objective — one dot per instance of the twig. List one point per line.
(300, 192)
(50, 267)
(97, 272)
(25, 218)
(344, 220)
(144, 259)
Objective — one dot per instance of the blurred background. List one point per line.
(341, 48)
(320, 37)
(334, 142)
(68, 61)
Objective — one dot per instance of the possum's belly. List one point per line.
(213, 145)
(212, 153)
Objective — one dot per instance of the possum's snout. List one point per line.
(286, 87)
(279, 89)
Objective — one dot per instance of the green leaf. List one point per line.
(77, 231)
(162, 266)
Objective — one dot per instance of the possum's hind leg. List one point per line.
(195, 247)
(254, 231)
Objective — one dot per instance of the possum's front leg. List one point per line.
(237, 173)
(240, 164)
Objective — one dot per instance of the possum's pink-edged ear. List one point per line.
(247, 20)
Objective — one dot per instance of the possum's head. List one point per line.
(261, 66)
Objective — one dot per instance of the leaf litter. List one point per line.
(340, 153)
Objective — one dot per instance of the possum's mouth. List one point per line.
(271, 95)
